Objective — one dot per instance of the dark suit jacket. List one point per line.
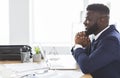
(104, 60)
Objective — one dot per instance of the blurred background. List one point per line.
(51, 24)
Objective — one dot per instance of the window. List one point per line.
(53, 21)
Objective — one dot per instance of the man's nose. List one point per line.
(85, 23)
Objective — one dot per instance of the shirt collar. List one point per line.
(96, 37)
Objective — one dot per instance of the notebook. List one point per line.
(61, 62)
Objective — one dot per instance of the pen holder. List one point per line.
(25, 55)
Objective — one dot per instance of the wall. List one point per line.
(19, 21)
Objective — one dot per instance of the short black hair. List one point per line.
(101, 8)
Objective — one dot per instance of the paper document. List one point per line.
(25, 67)
(61, 62)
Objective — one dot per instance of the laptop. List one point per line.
(58, 61)
(62, 62)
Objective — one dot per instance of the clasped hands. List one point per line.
(82, 39)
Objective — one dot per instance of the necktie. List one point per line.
(91, 48)
(93, 45)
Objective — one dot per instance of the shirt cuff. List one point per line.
(77, 46)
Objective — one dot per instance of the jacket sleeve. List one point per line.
(105, 53)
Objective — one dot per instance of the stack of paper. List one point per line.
(24, 67)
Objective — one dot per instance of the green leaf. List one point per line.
(37, 49)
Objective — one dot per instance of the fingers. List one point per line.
(82, 39)
(81, 35)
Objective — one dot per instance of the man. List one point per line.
(100, 58)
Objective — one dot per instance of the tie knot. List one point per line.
(93, 40)
(93, 45)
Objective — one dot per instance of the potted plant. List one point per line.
(37, 55)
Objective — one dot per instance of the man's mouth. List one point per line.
(86, 28)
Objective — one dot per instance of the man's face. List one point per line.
(91, 22)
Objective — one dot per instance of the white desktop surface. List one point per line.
(5, 72)
(17, 70)
(62, 74)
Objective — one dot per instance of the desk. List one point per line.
(9, 62)
(50, 73)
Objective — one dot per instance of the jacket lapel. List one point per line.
(94, 43)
